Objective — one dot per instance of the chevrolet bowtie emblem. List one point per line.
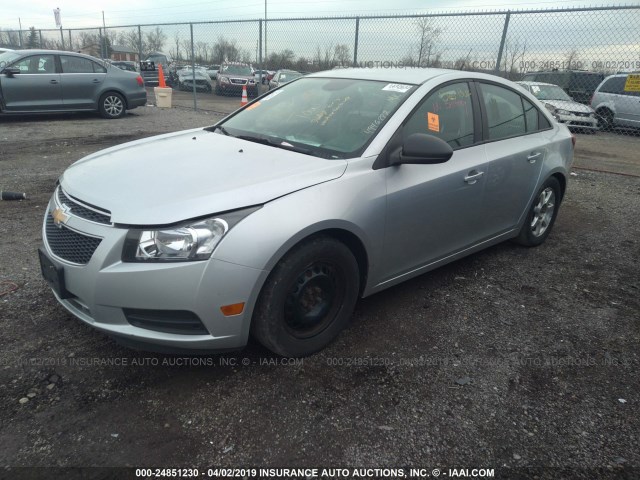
(59, 217)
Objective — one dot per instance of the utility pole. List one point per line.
(104, 38)
(20, 32)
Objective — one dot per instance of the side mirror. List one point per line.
(422, 149)
(10, 71)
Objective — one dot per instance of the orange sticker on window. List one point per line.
(433, 121)
(252, 106)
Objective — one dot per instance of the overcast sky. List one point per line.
(81, 13)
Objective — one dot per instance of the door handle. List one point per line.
(473, 177)
(53, 81)
(95, 80)
(532, 158)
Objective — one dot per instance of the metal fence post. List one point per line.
(504, 38)
(260, 66)
(355, 45)
(70, 42)
(40, 37)
(139, 43)
(193, 69)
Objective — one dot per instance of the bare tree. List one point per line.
(342, 55)
(514, 53)
(428, 35)
(572, 58)
(154, 40)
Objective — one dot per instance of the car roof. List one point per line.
(55, 52)
(526, 82)
(408, 75)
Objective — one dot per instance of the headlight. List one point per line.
(549, 107)
(563, 112)
(189, 241)
(252, 81)
(224, 79)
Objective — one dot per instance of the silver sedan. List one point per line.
(278, 218)
(36, 81)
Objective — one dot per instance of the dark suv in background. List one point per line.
(233, 76)
(579, 84)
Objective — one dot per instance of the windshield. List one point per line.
(549, 92)
(288, 76)
(326, 117)
(237, 69)
(7, 57)
(158, 59)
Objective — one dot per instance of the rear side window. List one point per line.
(505, 113)
(531, 116)
(613, 85)
(446, 113)
(78, 65)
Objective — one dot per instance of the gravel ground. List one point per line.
(522, 360)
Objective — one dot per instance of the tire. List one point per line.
(112, 105)
(605, 120)
(542, 214)
(321, 270)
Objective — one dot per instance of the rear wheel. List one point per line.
(605, 119)
(542, 214)
(112, 105)
(308, 298)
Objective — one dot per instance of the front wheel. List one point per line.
(542, 214)
(308, 298)
(605, 120)
(112, 105)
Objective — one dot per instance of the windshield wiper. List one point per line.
(278, 143)
(218, 127)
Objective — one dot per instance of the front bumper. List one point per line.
(252, 88)
(103, 289)
(578, 121)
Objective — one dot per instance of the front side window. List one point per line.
(41, 64)
(613, 85)
(446, 113)
(325, 117)
(505, 113)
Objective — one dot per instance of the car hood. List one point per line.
(568, 105)
(193, 173)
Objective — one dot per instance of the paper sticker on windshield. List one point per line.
(397, 87)
(535, 88)
(433, 121)
(252, 106)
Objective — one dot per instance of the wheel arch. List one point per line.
(562, 180)
(113, 90)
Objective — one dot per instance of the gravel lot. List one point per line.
(522, 360)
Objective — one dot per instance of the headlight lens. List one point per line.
(563, 112)
(224, 79)
(187, 242)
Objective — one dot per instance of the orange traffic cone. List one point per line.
(161, 82)
(244, 100)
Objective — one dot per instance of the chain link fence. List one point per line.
(590, 53)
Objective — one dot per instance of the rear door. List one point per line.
(35, 88)
(515, 153)
(81, 82)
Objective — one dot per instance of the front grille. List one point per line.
(238, 81)
(69, 245)
(167, 321)
(79, 210)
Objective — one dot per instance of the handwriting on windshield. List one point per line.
(330, 110)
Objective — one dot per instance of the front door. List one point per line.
(35, 88)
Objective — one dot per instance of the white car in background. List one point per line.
(574, 115)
